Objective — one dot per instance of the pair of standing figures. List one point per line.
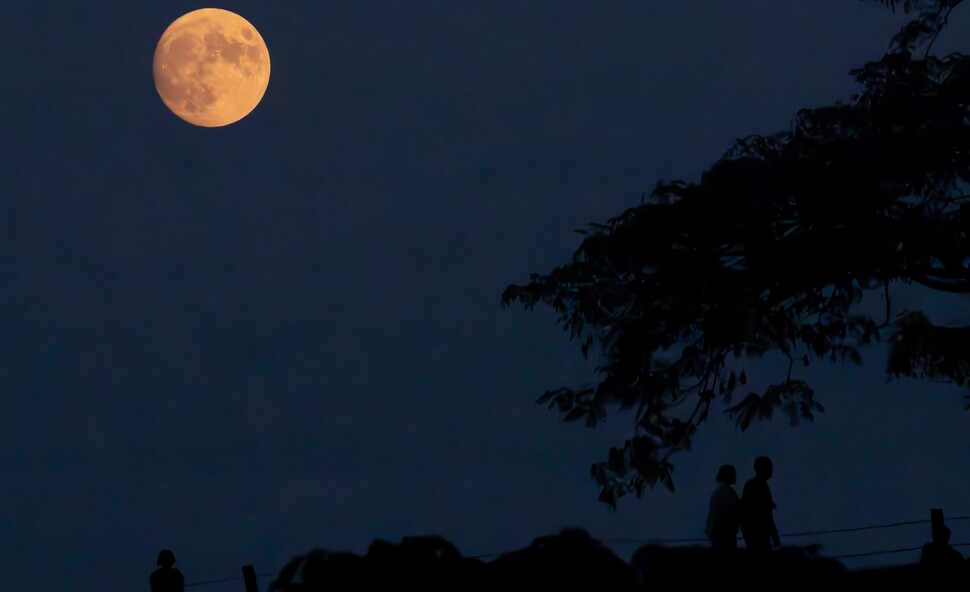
(752, 513)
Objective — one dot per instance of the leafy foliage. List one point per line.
(770, 251)
(933, 15)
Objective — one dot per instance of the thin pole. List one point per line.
(936, 525)
(249, 577)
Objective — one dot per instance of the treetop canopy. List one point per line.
(769, 251)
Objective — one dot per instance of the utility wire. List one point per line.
(223, 580)
(207, 582)
(797, 534)
(887, 552)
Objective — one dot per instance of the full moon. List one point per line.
(211, 67)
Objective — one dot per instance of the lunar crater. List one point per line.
(211, 67)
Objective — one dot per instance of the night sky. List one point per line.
(242, 343)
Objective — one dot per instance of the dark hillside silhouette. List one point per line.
(428, 562)
(771, 251)
(566, 560)
(569, 560)
(741, 568)
(572, 559)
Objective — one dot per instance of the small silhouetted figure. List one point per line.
(166, 578)
(939, 552)
(757, 507)
(724, 511)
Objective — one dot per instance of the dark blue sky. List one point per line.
(242, 343)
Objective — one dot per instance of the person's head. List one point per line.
(165, 558)
(763, 467)
(727, 474)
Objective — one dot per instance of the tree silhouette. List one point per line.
(771, 251)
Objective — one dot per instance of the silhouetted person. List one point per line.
(724, 511)
(166, 578)
(939, 552)
(757, 508)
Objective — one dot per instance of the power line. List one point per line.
(207, 582)
(871, 527)
(223, 580)
(856, 528)
(644, 541)
(887, 552)
(797, 534)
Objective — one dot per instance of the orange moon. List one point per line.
(211, 67)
